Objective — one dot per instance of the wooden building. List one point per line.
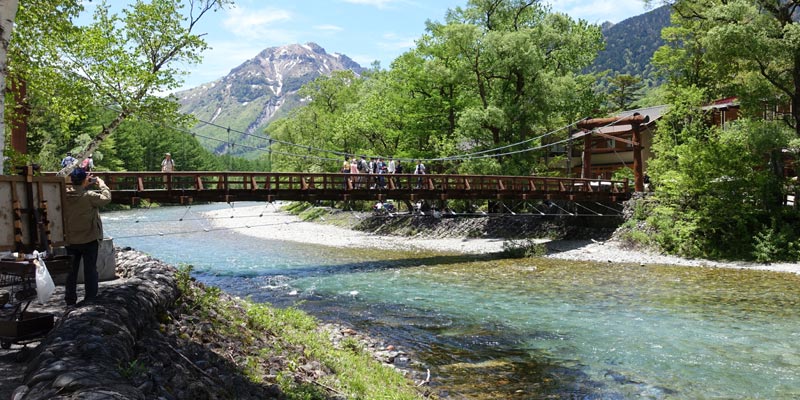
(611, 146)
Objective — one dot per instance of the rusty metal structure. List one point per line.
(196, 186)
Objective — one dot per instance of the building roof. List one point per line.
(654, 112)
(728, 102)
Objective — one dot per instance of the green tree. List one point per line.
(625, 90)
(716, 197)
(501, 69)
(329, 120)
(123, 60)
(749, 47)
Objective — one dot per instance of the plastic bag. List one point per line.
(44, 282)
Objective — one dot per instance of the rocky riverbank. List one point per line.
(146, 338)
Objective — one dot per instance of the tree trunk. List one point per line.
(95, 143)
(8, 11)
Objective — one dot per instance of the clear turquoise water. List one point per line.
(533, 328)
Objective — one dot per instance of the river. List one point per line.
(522, 328)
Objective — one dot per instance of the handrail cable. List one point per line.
(468, 156)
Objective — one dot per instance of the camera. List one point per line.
(92, 179)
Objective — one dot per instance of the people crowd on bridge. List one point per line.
(373, 172)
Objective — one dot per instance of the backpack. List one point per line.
(362, 165)
(398, 169)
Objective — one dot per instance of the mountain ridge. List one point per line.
(256, 92)
(630, 44)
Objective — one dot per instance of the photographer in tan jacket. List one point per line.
(84, 231)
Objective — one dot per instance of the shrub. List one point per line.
(525, 248)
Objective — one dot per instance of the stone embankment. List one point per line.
(83, 355)
(132, 343)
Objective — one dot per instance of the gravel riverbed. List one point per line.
(274, 224)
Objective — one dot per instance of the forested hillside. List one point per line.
(631, 43)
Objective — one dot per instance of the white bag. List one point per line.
(44, 282)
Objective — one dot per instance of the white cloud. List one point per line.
(599, 11)
(255, 24)
(329, 28)
(395, 42)
(373, 3)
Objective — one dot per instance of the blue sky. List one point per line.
(364, 30)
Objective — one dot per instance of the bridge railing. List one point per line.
(195, 180)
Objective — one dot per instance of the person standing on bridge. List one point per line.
(345, 170)
(419, 170)
(84, 230)
(391, 169)
(88, 163)
(168, 164)
(68, 160)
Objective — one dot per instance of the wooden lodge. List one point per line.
(625, 140)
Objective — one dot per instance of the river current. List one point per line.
(520, 328)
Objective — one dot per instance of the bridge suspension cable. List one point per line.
(483, 154)
(460, 157)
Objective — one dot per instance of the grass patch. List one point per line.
(292, 339)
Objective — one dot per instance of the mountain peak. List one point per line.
(260, 89)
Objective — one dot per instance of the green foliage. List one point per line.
(132, 369)
(743, 47)
(526, 248)
(717, 188)
(625, 90)
(297, 207)
(126, 60)
(313, 214)
(622, 174)
(781, 244)
(297, 338)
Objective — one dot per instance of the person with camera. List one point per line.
(84, 231)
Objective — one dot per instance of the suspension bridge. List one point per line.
(196, 186)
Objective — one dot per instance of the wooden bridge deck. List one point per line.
(183, 187)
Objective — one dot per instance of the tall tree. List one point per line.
(120, 61)
(625, 90)
(507, 67)
(750, 46)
